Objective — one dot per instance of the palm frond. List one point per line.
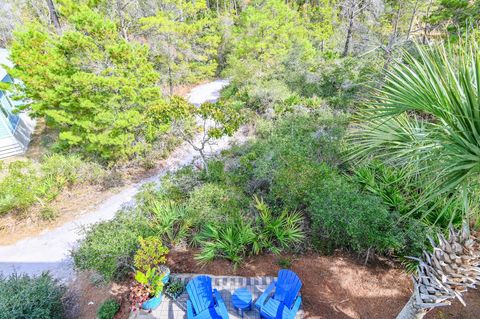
(427, 114)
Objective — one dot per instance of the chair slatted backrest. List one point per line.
(287, 287)
(200, 292)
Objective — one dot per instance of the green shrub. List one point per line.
(401, 190)
(239, 237)
(108, 309)
(151, 253)
(18, 187)
(213, 203)
(109, 246)
(232, 241)
(285, 164)
(39, 297)
(343, 216)
(170, 220)
(216, 172)
(285, 262)
(25, 183)
(176, 186)
(276, 232)
(48, 213)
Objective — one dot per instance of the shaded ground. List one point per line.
(86, 295)
(334, 287)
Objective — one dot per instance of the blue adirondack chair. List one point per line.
(284, 303)
(204, 303)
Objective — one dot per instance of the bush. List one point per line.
(39, 297)
(343, 216)
(212, 203)
(286, 163)
(150, 254)
(108, 309)
(239, 236)
(48, 213)
(26, 183)
(109, 246)
(170, 220)
(176, 186)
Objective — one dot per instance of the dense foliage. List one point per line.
(109, 246)
(25, 183)
(97, 89)
(108, 309)
(426, 121)
(299, 72)
(39, 297)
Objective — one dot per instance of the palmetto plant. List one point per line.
(445, 273)
(170, 220)
(240, 237)
(427, 117)
(276, 232)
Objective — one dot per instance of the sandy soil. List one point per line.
(334, 287)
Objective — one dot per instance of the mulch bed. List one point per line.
(334, 287)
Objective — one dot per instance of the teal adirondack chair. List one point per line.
(204, 303)
(285, 302)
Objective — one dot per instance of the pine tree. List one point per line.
(96, 88)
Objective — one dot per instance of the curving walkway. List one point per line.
(50, 251)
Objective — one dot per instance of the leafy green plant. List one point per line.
(108, 309)
(151, 278)
(276, 233)
(151, 253)
(171, 220)
(284, 262)
(109, 247)
(48, 213)
(344, 217)
(238, 238)
(26, 183)
(214, 203)
(174, 288)
(231, 241)
(425, 116)
(22, 296)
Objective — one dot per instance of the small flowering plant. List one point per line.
(148, 284)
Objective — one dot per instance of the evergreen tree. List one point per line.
(184, 39)
(96, 88)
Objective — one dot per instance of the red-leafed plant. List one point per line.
(139, 293)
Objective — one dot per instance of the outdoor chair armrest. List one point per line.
(190, 314)
(295, 308)
(221, 304)
(261, 300)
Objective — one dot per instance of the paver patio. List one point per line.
(226, 285)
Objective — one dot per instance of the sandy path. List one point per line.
(50, 250)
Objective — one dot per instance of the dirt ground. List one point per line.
(334, 287)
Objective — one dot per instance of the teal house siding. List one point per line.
(16, 126)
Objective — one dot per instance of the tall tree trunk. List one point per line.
(425, 31)
(349, 34)
(54, 16)
(393, 39)
(410, 25)
(170, 79)
(410, 311)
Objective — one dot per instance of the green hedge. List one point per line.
(24, 297)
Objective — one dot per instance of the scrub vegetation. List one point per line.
(363, 119)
